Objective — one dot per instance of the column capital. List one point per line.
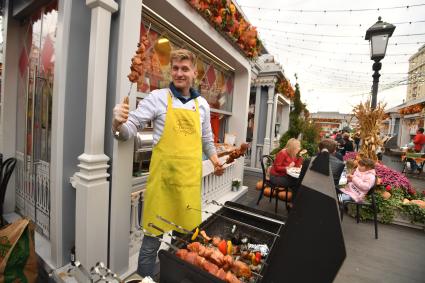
(271, 81)
(109, 5)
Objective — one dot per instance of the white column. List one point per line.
(267, 140)
(130, 16)
(391, 127)
(13, 31)
(92, 200)
(285, 119)
(273, 125)
(256, 121)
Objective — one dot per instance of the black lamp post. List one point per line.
(378, 36)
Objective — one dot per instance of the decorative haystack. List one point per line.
(369, 121)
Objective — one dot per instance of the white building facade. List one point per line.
(65, 67)
(268, 116)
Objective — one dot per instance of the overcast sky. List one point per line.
(331, 78)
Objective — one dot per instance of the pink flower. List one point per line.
(388, 188)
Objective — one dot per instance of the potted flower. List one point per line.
(236, 184)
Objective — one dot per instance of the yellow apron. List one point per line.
(175, 170)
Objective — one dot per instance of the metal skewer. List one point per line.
(178, 227)
(161, 240)
(169, 234)
(235, 221)
(246, 212)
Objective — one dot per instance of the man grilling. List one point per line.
(181, 131)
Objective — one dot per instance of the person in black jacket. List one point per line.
(337, 166)
(348, 144)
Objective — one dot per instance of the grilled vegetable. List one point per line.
(222, 247)
(229, 248)
(195, 234)
(205, 236)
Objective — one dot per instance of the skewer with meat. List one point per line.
(236, 153)
(211, 253)
(238, 267)
(195, 259)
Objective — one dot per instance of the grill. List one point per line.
(175, 270)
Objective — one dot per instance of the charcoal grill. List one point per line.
(176, 270)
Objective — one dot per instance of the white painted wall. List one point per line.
(12, 33)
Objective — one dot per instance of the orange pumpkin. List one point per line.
(259, 185)
(267, 191)
(419, 202)
(386, 195)
(283, 195)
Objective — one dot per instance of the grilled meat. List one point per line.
(241, 269)
(195, 259)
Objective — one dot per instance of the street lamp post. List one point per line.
(378, 36)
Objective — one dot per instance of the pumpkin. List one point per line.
(385, 195)
(406, 201)
(419, 202)
(267, 191)
(259, 185)
(283, 195)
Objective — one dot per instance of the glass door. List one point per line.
(34, 116)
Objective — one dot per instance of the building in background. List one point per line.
(406, 118)
(416, 75)
(329, 122)
(269, 107)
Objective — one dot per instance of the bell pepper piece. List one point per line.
(195, 234)
(229, 248)
(222, 247)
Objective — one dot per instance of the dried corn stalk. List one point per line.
(368, 125)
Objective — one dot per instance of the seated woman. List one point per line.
(360, 182)
(286, 158)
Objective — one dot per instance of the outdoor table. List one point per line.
(418, 157)
(293, 172)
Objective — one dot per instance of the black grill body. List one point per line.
(175, 270)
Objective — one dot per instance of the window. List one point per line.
(214, 81)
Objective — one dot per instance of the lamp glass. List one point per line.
(378, 45)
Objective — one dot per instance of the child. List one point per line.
(360, 182)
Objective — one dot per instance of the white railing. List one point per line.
(42, 190)
(33, 192)
(213, 188)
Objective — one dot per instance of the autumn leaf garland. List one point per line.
(224, 16)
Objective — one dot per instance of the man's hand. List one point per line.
(218, 169)
(120, 114)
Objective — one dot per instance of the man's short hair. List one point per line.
(329, 144)
(421, 130)
(182, 54)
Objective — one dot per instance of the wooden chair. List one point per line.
(358, 205)
(6, 171)
(266, 161)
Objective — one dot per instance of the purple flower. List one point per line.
(351, 155)
(392, 178)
